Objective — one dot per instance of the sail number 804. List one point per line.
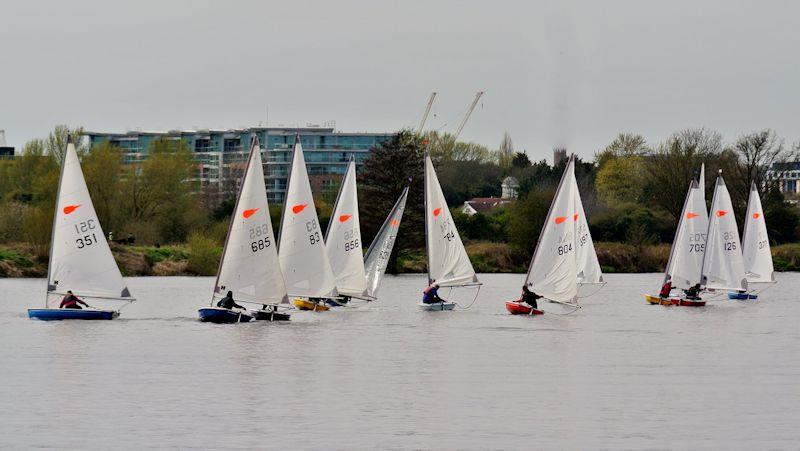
(564, 248)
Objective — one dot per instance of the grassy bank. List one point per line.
(200, 257)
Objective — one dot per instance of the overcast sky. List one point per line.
(555, 73)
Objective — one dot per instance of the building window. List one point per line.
(202, 145)
(233, 145)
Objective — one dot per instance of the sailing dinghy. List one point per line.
(686, 256)
(377, 258)
(723, 263)
(448, 262)
(343, 243)
(302, 254)
(80, 258)
(249, 265)
(565, 257)
(756, 251)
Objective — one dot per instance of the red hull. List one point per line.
(688, 303)
(519, 308)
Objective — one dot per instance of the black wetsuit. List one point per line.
(529, 297)
(228, 303)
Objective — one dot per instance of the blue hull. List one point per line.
(222, 316)
(57, 314)
(742, 296)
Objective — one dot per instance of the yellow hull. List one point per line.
(305, 304)
(656, 300)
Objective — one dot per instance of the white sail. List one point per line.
(686, 256)
(80, 259)
(377, 257)
(304, 260)
(723, 265)
(756, 252)
(343, 239)
(448, 262)
(249, 265)
(585, 255)
(553, 272)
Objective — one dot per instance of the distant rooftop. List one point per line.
(280, 130)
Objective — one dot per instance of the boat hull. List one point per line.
(305, 304)
(741, 296)
(437, 306)
(520, 308)
(58, 314)
(688, 302)
(266, 315)
(222, 316)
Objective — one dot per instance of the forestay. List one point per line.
(553, 272)
(343, 239)
(723, 265)
(448, 262)
(80, 258)
(304, 260)
(377, 258)
(756, 252)
(249, 265)
(686, 256)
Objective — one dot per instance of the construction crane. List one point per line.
(427, 110)
(466, 116)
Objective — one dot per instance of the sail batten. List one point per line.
(249, 266)
(302, 254)
(380, 250)
(343, 239)
(448, 262)
(723, 265)
(80, 257)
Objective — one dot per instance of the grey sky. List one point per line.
(555, 73)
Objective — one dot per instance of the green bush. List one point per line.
(15, 257)
(204, 255)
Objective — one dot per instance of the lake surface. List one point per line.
(616, 374)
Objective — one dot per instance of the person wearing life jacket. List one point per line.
(693, 293)
(431, 294)
(72, 301)
(228, 302)
(529, 297)
(666, 289)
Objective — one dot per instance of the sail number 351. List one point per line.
(85, 238)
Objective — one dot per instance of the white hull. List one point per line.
(437, 307)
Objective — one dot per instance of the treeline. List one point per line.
(633, 193)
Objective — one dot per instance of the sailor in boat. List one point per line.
(72, 301)
(693, 293)
(228, 302)
(529, 297)
(431, 294)
(666, 289)
(343, 300)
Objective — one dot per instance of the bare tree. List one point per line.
(676, 161)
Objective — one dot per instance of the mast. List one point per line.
(286, 192)
(338, 196)
(254, 146)
(678, 230)
(703, 278)
(55, 219)
(425, 206)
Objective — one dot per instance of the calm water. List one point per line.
(617, 374)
